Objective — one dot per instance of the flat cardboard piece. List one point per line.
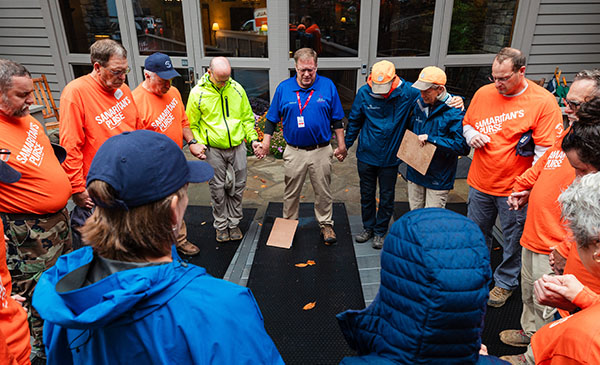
(413, 154)
(282, 233)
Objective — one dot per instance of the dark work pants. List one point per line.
(376, 218)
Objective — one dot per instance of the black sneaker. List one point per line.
(364, 236)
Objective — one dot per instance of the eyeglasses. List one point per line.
(500, 79)
(571, 103)
(303, 70)
(120, 73)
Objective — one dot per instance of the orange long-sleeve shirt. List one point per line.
(162, 113)
(89, 116)
(550, 176)
(13, 318)
(44, 186)
(504, 119)
(571, 340)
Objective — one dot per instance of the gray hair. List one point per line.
(8, 70)
(581, 208)
(305, 54)
(593, 75)
(101, 51)
(149, 73)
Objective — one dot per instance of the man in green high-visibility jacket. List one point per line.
(221, 118)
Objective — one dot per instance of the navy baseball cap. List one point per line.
(161, 64)
(59, 152)
(8, 175)
(145, 166)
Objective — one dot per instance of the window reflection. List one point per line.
(328, 27)
(481, 26)
(234, 28)
(159, 27)
(88, 21)
(405, 28)
(464, 81)
(254, 82)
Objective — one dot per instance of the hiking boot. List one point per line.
(516, 338)
(222, 235)
(515, 359)
(328, 234)
(187, 248)
(377, 242)
(498, 297)
(364, 236)
(235, 234)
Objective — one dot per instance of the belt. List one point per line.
(310, 148)
(27, 216)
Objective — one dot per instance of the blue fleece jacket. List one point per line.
(173, 313)
(381, 123)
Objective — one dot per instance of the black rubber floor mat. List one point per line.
(496, 319)
(282, 289)
(214, 257)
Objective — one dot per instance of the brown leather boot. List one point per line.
(188, 248)
(328, 234)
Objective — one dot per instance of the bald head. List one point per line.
(219, 71)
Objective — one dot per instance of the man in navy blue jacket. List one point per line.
(379, 118)
(433, 121)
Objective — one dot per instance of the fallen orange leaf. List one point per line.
(263, 181)
(256, 176)
(309, 306)
(301, 196)
(263, 186)
(496, 248)
(347, 190)
(302, 264)
(310, 262)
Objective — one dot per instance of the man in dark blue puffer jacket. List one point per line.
(435, 276)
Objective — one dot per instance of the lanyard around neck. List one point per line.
(305, 103)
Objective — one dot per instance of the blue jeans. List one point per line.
(377, 220)
(483, 209)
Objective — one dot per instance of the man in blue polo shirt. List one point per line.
(310, 108)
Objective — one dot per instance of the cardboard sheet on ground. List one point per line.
(413, 154)
(282, 233)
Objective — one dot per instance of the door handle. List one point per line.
(191, 76)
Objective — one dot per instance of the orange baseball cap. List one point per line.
(430, 76)
(382, 77)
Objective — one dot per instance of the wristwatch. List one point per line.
(192, 141)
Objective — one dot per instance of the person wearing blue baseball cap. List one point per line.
(128, 297)
(161, 109)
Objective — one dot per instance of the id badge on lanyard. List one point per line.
(300, 118)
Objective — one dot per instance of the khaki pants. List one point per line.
(317, 163)
(227, 207)
(534, 315)
(421, 197)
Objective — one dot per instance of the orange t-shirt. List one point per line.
(44, 186)
(89, 115)
(13, 318)
(571, 340)
(504, 119)
(163, 114)
(550, 176)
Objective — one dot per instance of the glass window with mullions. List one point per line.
(481, 26)
(328, 27)
(405, 28)
(88, 21)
